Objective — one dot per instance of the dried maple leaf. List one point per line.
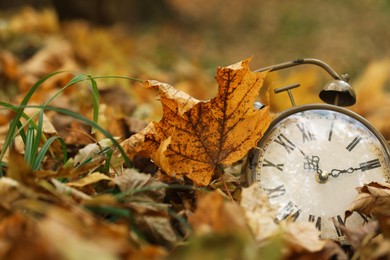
(195, 138)
(373, 200)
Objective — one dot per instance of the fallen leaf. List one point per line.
(57, 55)
(89, 179)
(78, 235)
(330, 250)
(195, 138)
(91, 151)
(373, 200)
(211, 246)
(144, 195)
(140, 186)
(215, 214)
(374, 83)
(62, 188)
(8, 66)
(258, 212)
(12, 191)
(20, 239)
(358, 235)
(19, 170)
(302, 236)
(375, 248)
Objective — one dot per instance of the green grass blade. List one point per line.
(90, 157)
(118, 77)
(108, 210)
(2, 166)
(28, 146)
(19, 112)
(108, 161)
(38, 136)
(95, 95)
(93, 124)
(24, 115)
(45, 147)
(21, 132)
(76, 79)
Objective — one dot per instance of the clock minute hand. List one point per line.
(371, 164)
(336, 172)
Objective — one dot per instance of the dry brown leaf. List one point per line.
(63, 189)
(132, 182)
(331, 250)
(215, 214)
(78, 235)
(302, 236)
(20, 239)
(89, 179)
(373, 200)
(259, 213)
(57, 55)
(93, 151)
(375, 248)
(358, 235)
(374, 83)
(12, 191)
(8, 66)
(144, 196)
(194, 138)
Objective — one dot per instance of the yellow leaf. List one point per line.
(90, 179)
(197, 137)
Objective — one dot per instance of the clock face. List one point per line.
(311, 161)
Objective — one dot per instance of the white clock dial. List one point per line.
(311, 161)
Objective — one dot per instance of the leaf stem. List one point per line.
(219, 171)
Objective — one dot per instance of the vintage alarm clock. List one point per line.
(312, 157)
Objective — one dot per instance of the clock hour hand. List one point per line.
(312, 164)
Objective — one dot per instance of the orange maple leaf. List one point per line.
(194, 138)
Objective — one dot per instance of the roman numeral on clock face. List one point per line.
(275, 192)
(337, 221)
(364, 217)
(370, 165)
(353, 144)
(278, 166)
(289, 211)
(306, 132)
(316, 220)
(285, 142)
(331, 131)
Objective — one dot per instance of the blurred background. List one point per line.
(183, 42)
